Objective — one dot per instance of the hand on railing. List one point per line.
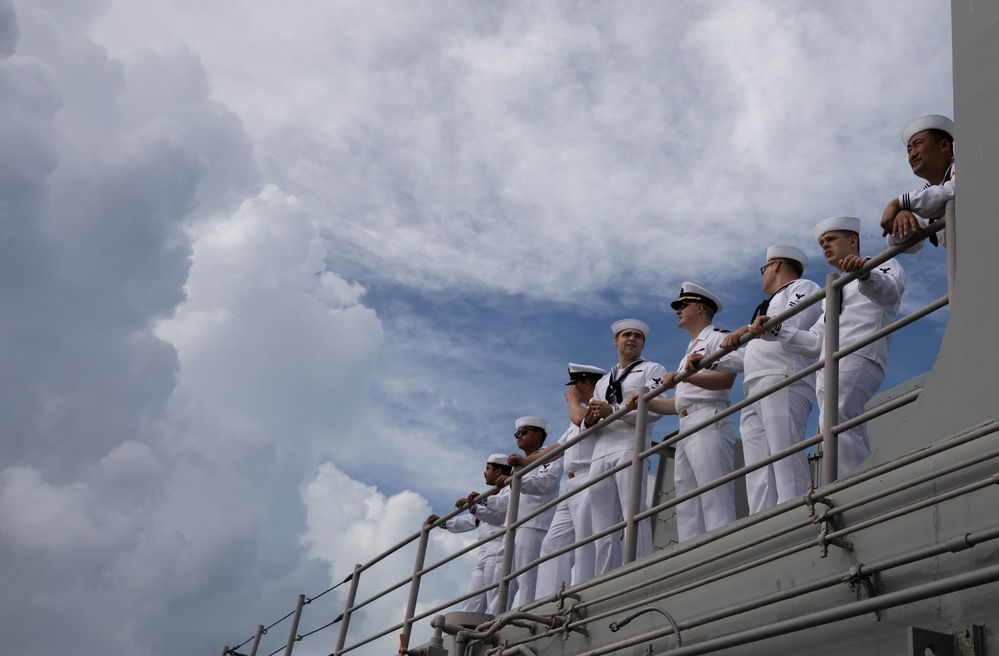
(852, 262)
(466, 501)
(730, 343)
(432, 519)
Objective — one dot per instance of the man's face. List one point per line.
(686, 313)
(629, 343)
(837, 244)
(585, 387)
(770, 277)
(491, 474)
(529, 439)
(929, 156)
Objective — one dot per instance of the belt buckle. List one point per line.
(571, 474)
(684, 413)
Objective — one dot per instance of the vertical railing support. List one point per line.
(341, 639)
(637, 478)
(502, 600)
(950, 241)
(256, 640)
(830, 404)
(294, 625)
(414, 587)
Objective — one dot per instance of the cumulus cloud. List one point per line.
(203, 415)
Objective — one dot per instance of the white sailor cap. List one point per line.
(498, 459)
(635, 324)
(580, 371)
(788, 253)
(928, 122)
(691, 293)
(536, 422)
(849, 223)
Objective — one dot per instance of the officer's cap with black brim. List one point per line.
(691, 293)
(581, 371)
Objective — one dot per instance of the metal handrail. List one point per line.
(828, 437)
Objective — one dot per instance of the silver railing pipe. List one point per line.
(631, 531)
(294, 625)
(348, 609)
(256, 639)
(414, 588)
(830, 409)
(502, 600)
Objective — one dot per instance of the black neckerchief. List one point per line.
(763, 307)
(948, 174)
(613, 394)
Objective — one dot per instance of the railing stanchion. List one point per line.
(950, 241)
(414, 587)
(637, 478)
(256, 640)
(294, 625)
(503, 598)
(345, 622)
(830, 405)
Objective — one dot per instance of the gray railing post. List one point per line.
(637, 476)
(502, 602)
(950, 241)
(256, 640)
(414, 587)
(341, 639)
(294, 625)
(830, 405)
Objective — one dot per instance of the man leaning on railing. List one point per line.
(868, 304)
(929, 144)
(488, 566)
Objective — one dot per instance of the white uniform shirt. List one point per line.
(868, 306)
(767, 358)
(577, 457)
(537, 487)
(707, 341)
(928, 203)
(467, 522)
(620, 435)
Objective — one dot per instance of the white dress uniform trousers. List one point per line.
(708, 454)
(572, 522)
(537, 487)
(868, 306)
(615, 445)
(778, 421)
(486, 570)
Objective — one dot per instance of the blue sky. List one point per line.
(277, 278)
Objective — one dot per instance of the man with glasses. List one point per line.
(868, 304)
(537, 487)
(615, 442)
(777, 421)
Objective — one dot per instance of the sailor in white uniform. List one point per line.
(708, 454)
(615, 442)
(572, 521)
(777, 421)
(869, 304)
(538, 487)
(929, 142)
(490, 555)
